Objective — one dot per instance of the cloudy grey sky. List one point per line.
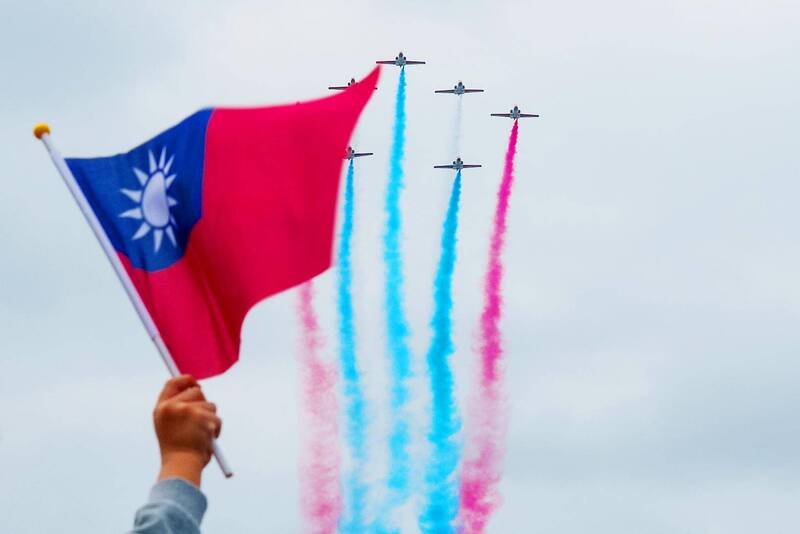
(653, 281)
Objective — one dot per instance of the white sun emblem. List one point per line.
(153, 201)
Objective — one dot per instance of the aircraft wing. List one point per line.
(470, 166)
(473, 90)
(414, 62)
(445, 91)
(501, 114)
(387, 62)
(527, 115)
(359, 154)
(444, 166)
(337, 88)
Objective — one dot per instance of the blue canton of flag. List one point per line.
(148, 199)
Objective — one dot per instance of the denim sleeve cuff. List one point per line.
(183, 494)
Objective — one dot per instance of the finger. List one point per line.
(191, 394)
(176, 385)
(205, 406)
(213, 424)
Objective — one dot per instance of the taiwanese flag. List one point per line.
(222, 210)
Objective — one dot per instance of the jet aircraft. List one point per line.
(458, 89)
(350, 153)
(342, 87)
(515, 114)
(457, 165)
(400, 61)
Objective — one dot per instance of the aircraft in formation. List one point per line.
(351, 154)
(457, 165)
(515, 114)
(342, 87)
(458, 89)
(400, 61)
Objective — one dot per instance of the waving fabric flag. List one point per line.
(224, 209)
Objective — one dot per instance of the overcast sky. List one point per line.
(652, 318)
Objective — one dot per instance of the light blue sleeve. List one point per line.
(175, 507)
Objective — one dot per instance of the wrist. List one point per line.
(187, 465)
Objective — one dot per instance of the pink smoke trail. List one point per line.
(320, 496)
(485, 421)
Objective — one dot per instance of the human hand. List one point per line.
(185, 425)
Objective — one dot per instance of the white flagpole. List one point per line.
(42, 132)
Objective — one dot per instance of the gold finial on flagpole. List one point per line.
(40, 129)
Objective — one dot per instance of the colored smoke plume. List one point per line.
(485, 422)
(355, 405)
(397, 330)
(320, 497)
(441, 498)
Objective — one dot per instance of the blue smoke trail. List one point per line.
(396, 325)
(441, 506)
(355, 488)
